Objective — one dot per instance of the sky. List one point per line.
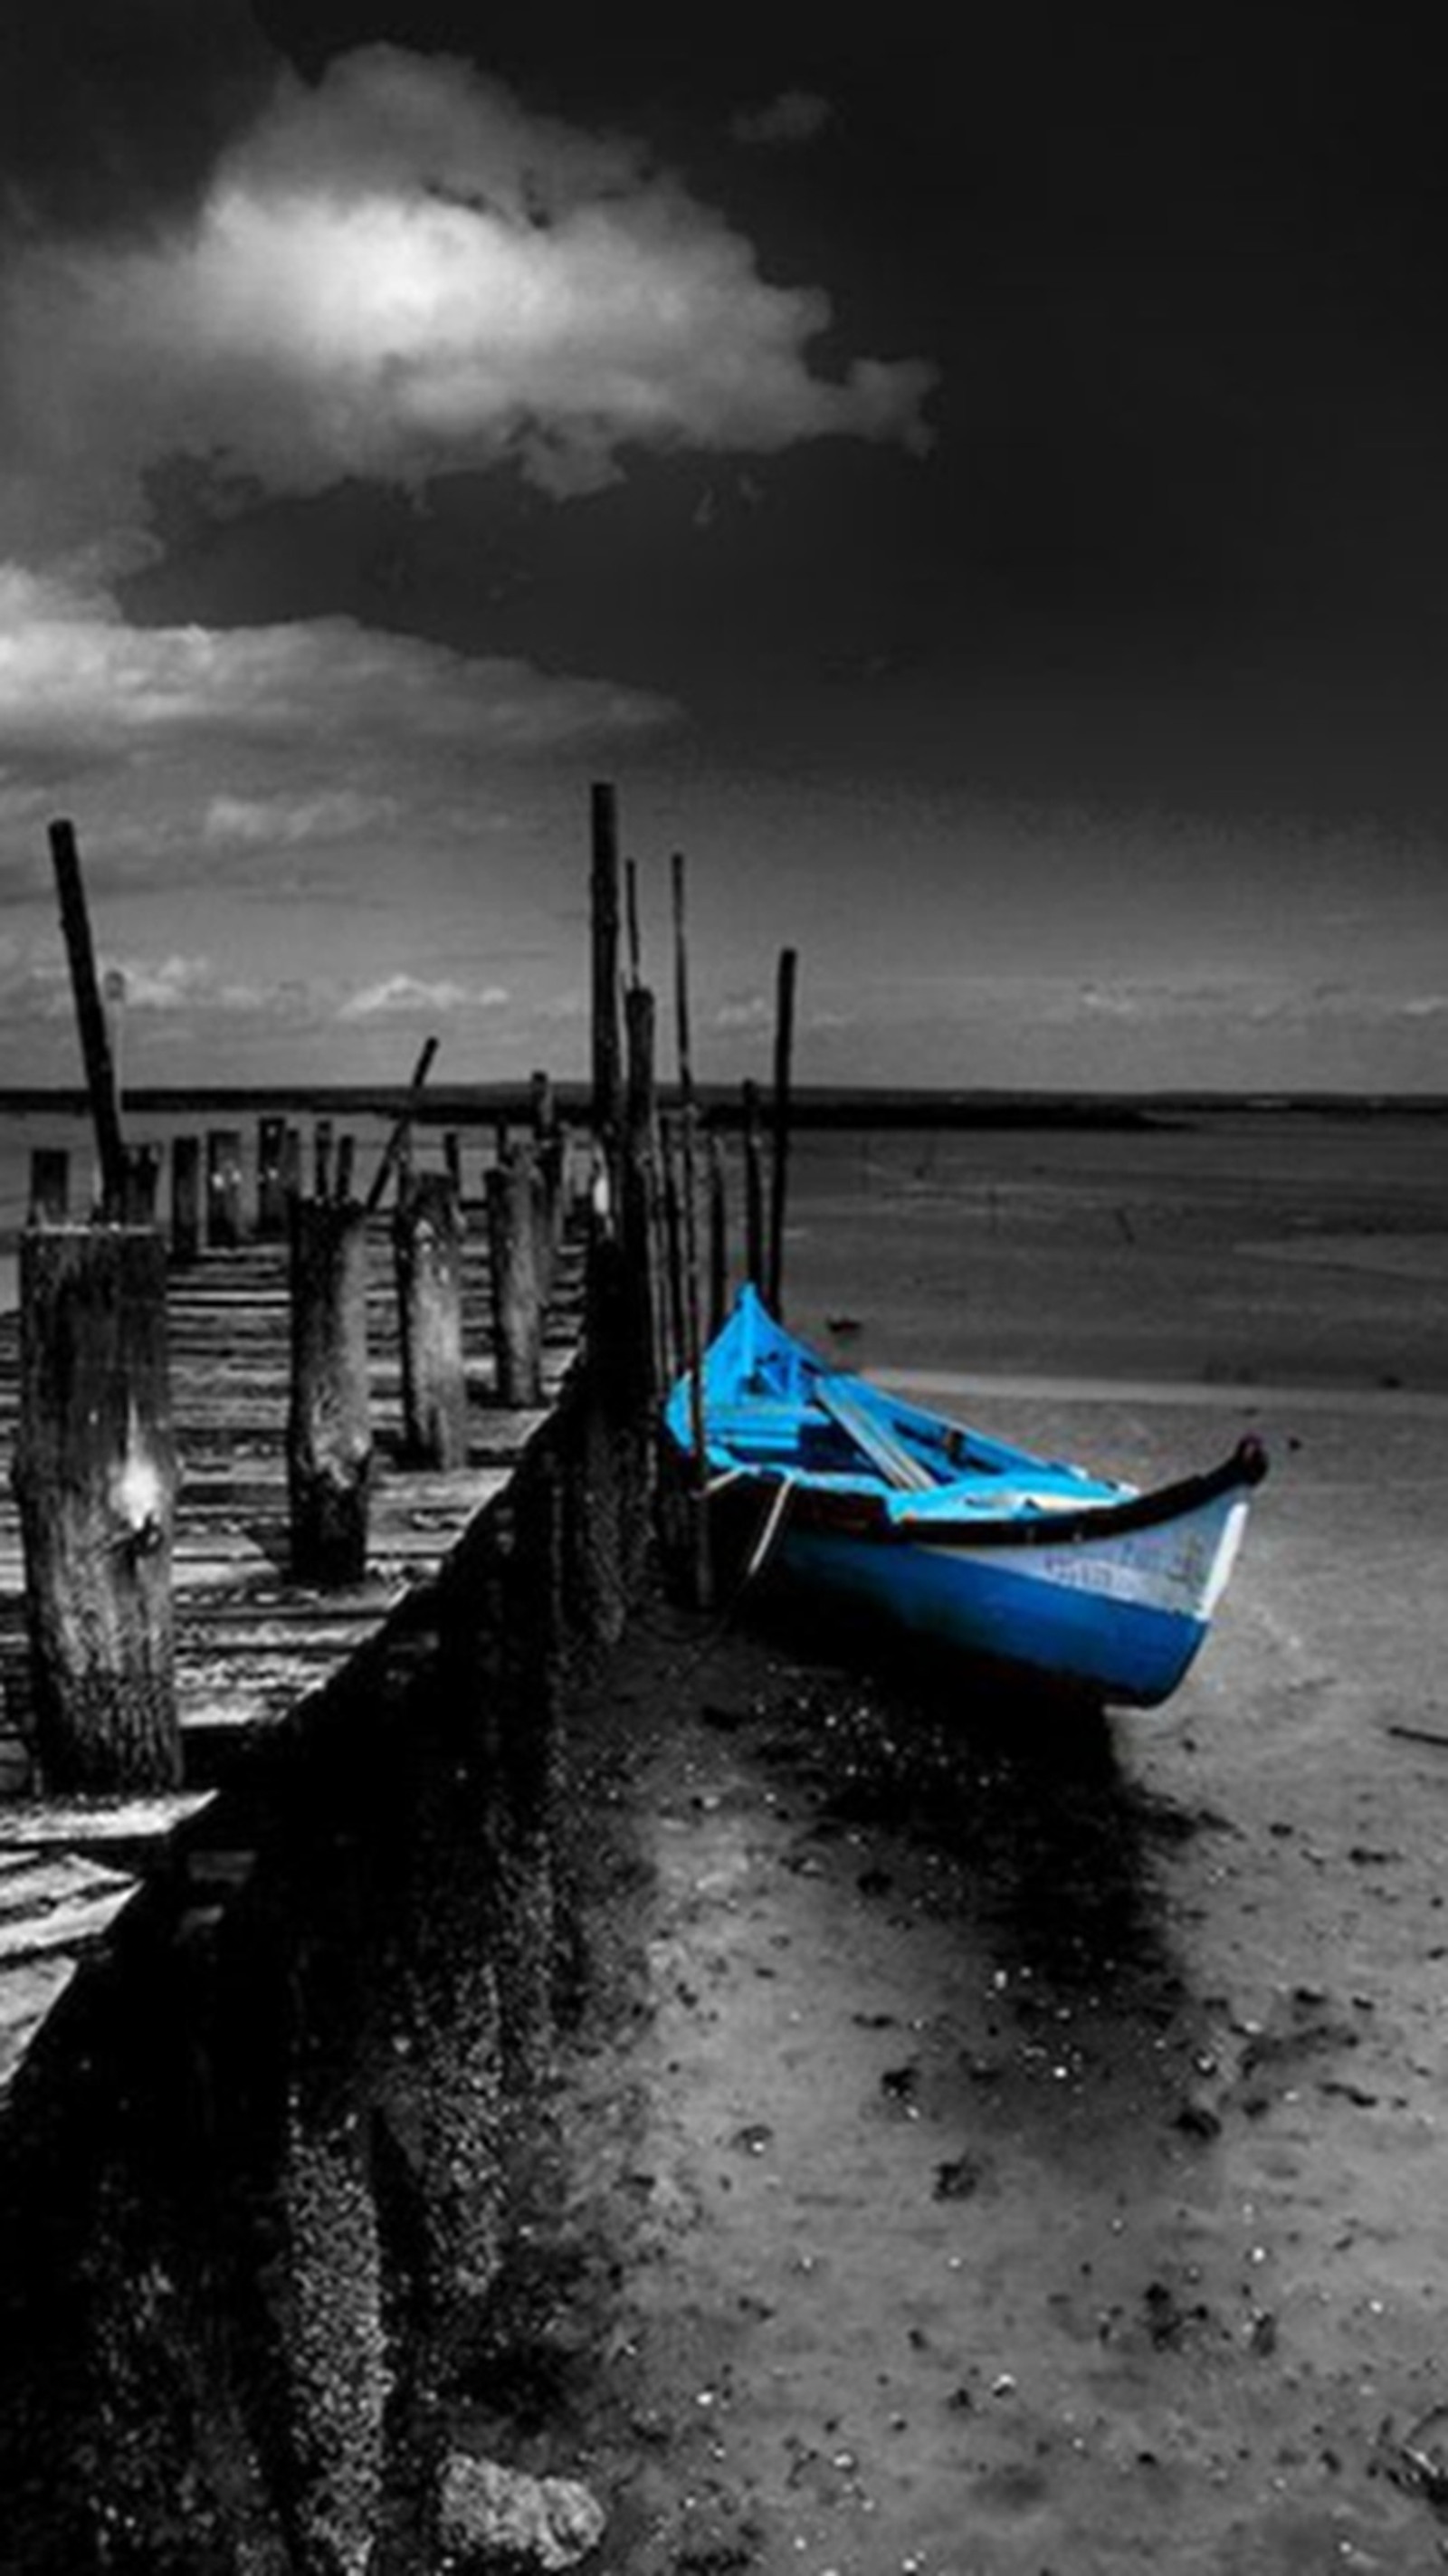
(977, 488)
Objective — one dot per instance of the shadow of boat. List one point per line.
(1056, 1849)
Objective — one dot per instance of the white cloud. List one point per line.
(395, 273)
(744, 1011)
(74, 673)
(180, 983)
(287, 822)
(795, 116)
(1245, 1001)
(407, 995)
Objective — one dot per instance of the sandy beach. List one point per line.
(992, 2153)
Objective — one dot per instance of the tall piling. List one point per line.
(718, 1235)
(700, 1551)
(779, 1175)
(638, 1212)
(95, 1477)
(329, 1429)
(604, 920)
(671, 1244)
(752, 1149)
(95, 1040)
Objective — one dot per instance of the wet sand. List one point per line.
(991, 2151)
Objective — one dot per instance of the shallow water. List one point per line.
(1234, 1247)
(1244, 1248)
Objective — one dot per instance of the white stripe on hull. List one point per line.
(1182, 1566)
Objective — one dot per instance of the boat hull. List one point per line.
(1120, 1622)
(958, 1538)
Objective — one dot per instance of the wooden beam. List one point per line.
(396, 1144)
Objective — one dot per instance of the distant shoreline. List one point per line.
(477, 1104)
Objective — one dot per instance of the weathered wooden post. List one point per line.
(517, 1306)
(49, 1185)
(143, 1175)
(542, 1105)
(427, 1243)
(718, 1237)
(702, 1562)
(185, 1197)
(673, 1250)
(346, 1167)
(322, 1158)
(292, 1166)
(550, 1146)
(604, 888)
(95, 1477)
(783, 1058)
(640, 1187)
(223, 1189)
(329, 1429)
(113, 995)
(631, 917)
(452, 1159)
(271, 1185)
(752, 1142)
(90, 1014)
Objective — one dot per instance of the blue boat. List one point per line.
(1056, 1575)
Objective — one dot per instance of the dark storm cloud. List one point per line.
(399, 270)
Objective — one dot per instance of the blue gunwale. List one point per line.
(754, 1421)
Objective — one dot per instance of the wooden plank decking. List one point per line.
(251, 1645)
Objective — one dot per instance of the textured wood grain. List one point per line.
(253, 1648)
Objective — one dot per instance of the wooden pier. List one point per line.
(255, 1649)
(279, 1991)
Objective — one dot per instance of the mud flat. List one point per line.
(991, 2150)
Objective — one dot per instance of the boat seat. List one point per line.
(884, 1449)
